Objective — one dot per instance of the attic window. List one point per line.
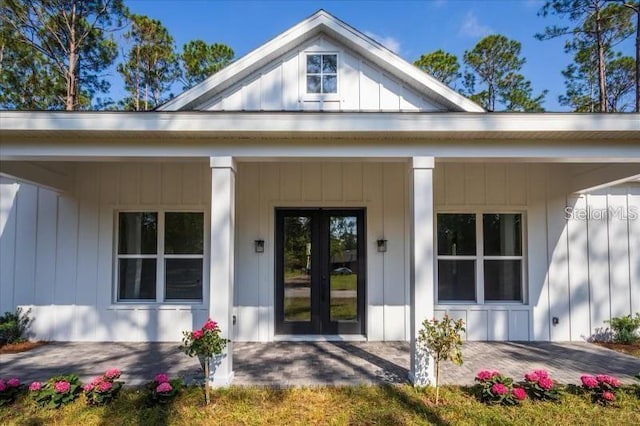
(322, 73)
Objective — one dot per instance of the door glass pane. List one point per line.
(183, 279)
(502, 234)
(456, 234)
(343, 245)
(137, 233)
(503, 280)
(297, 268)
(137, 279)
(183, 233)
(456, 280)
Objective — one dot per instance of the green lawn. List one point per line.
(365, 405)
(297, 308)
(344, 282)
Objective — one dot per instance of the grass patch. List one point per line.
(344, 282)
(299, 309)
(363, 405)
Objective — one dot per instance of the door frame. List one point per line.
(320, 323)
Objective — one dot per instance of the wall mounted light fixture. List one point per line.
(258, 245)
(382, 246)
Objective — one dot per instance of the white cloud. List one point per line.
(388, 41)
(471, 26)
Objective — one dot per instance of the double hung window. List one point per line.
(480, 257)
(160, 256)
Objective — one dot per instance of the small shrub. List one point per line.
(205, 342)
(495, 389)
(13, 326)
(625, 329)
(601, 387)
(163, 389)
(540, 386)
(56, 391)
(8, 390)
(442, 340)
(103, 389)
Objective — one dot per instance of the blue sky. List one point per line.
(410, 28)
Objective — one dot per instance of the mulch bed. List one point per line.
(632, 349)
(14, 348)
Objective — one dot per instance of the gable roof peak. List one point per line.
(325, 22)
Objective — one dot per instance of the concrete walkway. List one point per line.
(316, 363)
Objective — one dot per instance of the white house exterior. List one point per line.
(350, 214)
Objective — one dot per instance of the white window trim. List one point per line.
(160, 257)
(479, 258)
(302, 72)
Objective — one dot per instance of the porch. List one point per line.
(550, 297)
(283, 364)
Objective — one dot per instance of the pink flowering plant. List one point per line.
(163, 389)
(103, 389)
(56, 391)
(602, 387)
(496, 389)
(9, 388)
(540, 386)
(205, 343)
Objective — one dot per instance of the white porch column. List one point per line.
(422, 263)
(221, 277)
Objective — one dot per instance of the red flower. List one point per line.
(162, 378)
(112, 373)
(545, 383)
(164, 388)
(62, 386)
(608, 396)
(611, 381)
(104, 387)
(197, 334)
(485, 375)
(519, 393)
(589, 382)
(541, 373)
(499, 389)
(210, 325)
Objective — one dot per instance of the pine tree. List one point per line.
(599, 25)
(494, 64)
(200, 60)
(69, 40)
(151, 66)
(441, 65)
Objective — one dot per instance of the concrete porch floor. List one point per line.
(284, 364)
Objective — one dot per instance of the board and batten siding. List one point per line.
(381, 188)
(56, 251)
(581, 268)
(281, 86)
